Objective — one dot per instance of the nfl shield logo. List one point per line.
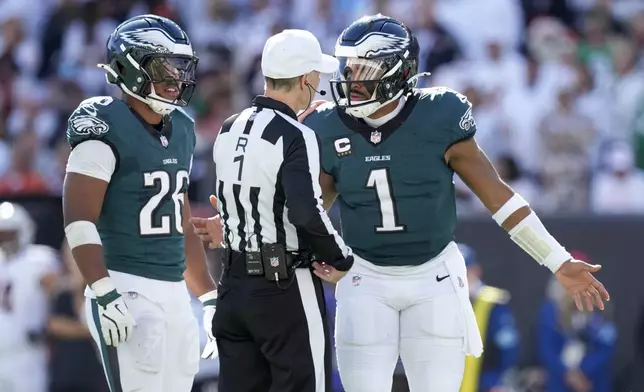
(164, 141)
(376, 137)
(356, 280)
(274, 261)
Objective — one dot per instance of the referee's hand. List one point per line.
(328, 273)
(209, 229)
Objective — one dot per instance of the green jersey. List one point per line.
(140, 224)
(395, 191)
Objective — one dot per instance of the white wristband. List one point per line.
(510, 207)
(208, 296)
(81, 233)
(102, 286)
(531, 235)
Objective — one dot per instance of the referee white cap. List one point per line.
(293, 53)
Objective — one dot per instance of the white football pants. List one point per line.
(411, 311)
(162, 354)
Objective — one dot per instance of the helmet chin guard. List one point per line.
(157, 103)
(363, 109)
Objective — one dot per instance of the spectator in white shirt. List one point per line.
(619, 188)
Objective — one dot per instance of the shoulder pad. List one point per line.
(183, 114)
(444, 95)
(455, 107)
(321, 114)
(90, 120)
(325, 107)
(494, 295)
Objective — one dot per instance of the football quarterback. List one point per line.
(127, 214)
(389, 152)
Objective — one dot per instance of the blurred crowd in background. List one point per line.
(557, 88)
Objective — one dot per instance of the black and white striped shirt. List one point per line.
(268, 167)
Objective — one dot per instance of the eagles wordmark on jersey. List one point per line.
(141, 219)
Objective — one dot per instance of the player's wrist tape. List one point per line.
(531, 235)
(82, 233)
(209, 299)
(102, 287)
(511, 206)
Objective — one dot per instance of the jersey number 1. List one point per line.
(162, 180)
(379, 180)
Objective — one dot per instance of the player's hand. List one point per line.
(210, 351)
(116, 321)
(328, 273)
(577, 278)
(209, 229)
(309, 110)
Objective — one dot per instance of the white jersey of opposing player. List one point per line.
(23, 303)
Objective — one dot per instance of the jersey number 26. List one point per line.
(163, 181)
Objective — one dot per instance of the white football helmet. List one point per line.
(16, 228)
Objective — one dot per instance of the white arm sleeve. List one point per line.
(92, 158)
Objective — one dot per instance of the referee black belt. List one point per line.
(292, 259)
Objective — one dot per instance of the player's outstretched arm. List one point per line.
(89, 170)
(514, 214)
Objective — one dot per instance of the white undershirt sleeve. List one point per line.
(92, 158)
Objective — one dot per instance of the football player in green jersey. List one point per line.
(389, 152)
(127, 214)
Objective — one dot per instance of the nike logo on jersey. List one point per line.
(441, 278)
(377, 158)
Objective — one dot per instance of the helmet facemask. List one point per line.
(172, 75)
(365, 85)
(152, 78)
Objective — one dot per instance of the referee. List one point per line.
(270, 322)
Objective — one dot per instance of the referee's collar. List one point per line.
(263, 101)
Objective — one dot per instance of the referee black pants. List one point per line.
(271, 339)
